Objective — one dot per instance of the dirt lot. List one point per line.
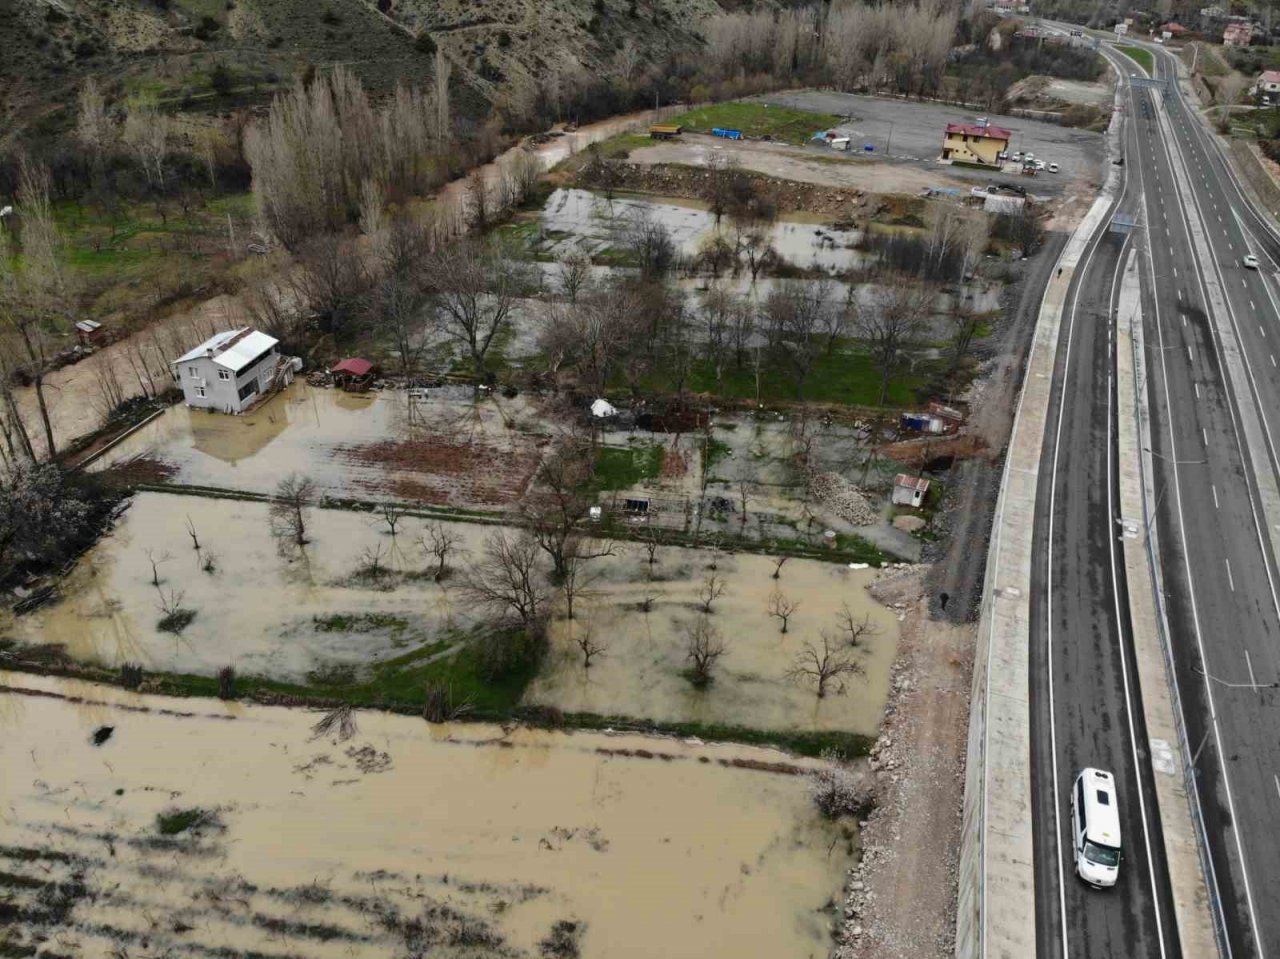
(807, 164)
(147, 827)
(917, 133)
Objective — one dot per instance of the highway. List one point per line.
(1212, 334)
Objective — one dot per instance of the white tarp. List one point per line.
(602, 408)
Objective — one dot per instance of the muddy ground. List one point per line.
(144, 827)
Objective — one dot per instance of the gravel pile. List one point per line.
(843, 498)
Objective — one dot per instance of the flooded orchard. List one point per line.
(319, 615)
(145, 826)
(640, 671)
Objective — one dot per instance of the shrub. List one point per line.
(424, 44)
(172, 822)
(839, 791)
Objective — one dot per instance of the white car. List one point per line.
(1053, 168)
(1039, 164)
(1095, 828)
(1250, 262)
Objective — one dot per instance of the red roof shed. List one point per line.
(353, 366)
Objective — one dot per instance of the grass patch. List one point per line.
(621, 468)
(172, 822)
(1141, 57)
(757, 119)
(844, 376)
(617, 148)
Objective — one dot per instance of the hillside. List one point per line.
(170, 47)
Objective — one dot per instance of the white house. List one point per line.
(1268, 83)
(230, 371)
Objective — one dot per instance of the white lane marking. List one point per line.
(1248, 661)
(1244, 282)
(1190, 357)
(1197, 386)
(1273, 359)
(1204, 434)
(1277, 781)
(1252, 306)
(1175, 271)
(1230, 579)
(1215, 496)
(1262, 331)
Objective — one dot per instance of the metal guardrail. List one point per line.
(1190, 785)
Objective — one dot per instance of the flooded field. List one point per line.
(289, 615)
(265, 612)
(580, 217)
(203, 829)
(443, 450)
(641, 670)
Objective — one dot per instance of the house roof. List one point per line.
(1172, 27)
(231, 349)
(1269, 76)
(977, 130)
(353, 365)
(917, 483)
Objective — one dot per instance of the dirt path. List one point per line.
(901, 899)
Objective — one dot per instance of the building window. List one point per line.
(224, 374)
(193, 372)
(200, 391)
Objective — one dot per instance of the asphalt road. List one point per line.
(1216, 555)
(1085, 705)
(1200, 306)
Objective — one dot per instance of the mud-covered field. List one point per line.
(146, 827)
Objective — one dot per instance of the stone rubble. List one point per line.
(843, 498)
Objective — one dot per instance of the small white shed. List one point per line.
(909, 490)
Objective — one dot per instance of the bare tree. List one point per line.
(713, 588)
(576, 578)
(823, 665)
(778, 563)
(590, 645)
(440, 541)
(398, 309)
(174, 616)
(855, 630)
(965, 324)
(146, 134)
(191, 531)
(94, 129)
(651, 539)
(782, 608)
(477, 200)
(559, 501)
(506, 579)
(291, 507)
(704, 645)
(573, 273)
(392, 515)
(155, 562)
(331, 280)
(797, 312)
(891, 328)
(477, 287)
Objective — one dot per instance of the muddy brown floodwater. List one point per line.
(407, 839)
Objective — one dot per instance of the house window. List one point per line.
(224, 374)
(193, 372)
(200, 391)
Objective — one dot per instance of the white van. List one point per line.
(1095, 828)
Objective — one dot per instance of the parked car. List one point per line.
(1039, 164)
(1053, 168)
(1250, 261)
